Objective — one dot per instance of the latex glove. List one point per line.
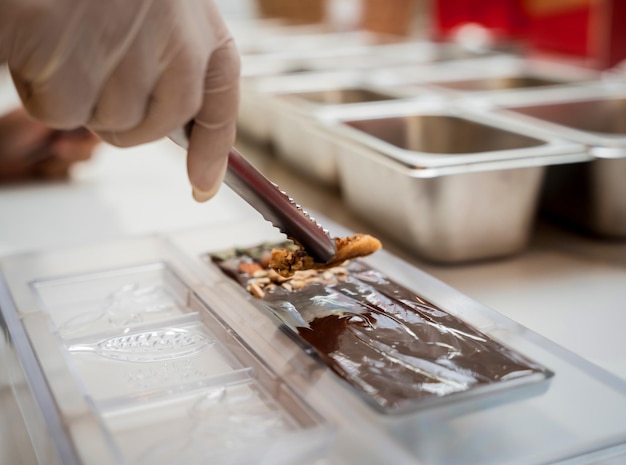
(130, 70)
(31, 150)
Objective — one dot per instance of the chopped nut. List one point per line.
(275, 277)
(303, 274)
(286, 261)
(266, 281)
(254, 289)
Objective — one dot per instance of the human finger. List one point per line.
(214, 127)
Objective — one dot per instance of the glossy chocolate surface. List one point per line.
(391, 345)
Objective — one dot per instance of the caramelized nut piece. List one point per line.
(256, 290)
(287, 262)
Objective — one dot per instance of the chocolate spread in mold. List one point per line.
(387, 342)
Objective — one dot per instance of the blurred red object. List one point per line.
(504, 19)
(592, 31)
(561, 26)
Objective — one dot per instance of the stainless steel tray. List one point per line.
(481, 77)
(591, 196)
(257, 107)
(293, 40)
(300, 105)
(365, 57)
(283, 50)
(448, 184)
(256, 112)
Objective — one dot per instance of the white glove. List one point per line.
(130, 70)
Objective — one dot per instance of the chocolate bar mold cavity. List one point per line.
(141, 333)
(229, 423)
(113, 365)
(134, 330)
(112, 300)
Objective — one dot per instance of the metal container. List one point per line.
(257, 109)
(284, 51)
(481, 77)
(447, 184)
(333, 55)
(300, 107)
(591, 196)
(286, 41)
(297, 129)
(306, 56)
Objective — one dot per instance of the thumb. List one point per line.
(214, 127)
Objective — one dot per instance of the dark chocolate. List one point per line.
(389, 343)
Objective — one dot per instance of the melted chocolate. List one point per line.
(393, 346)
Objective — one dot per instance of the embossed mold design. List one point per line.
(149, 346)
(124, 307)
(223, 425)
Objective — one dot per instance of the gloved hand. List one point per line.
(131, 71)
